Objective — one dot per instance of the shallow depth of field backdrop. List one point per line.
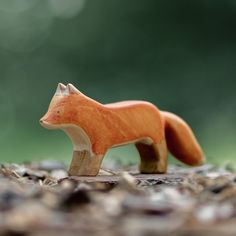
(180, 55)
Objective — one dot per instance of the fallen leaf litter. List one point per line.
(40, 199)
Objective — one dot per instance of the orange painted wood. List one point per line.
(94, 128)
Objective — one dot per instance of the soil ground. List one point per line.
(40, 199)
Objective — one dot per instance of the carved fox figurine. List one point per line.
(94, 128)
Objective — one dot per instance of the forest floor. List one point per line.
(40, 199)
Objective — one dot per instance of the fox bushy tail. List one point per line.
(181, 141)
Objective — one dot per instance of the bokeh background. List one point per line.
(180, 55)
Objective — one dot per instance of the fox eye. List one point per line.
(58, 111)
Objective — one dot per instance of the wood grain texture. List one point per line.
(84, 164)
(94, 128)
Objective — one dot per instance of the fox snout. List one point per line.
(43, 122)
(46, 124)
(44, 118)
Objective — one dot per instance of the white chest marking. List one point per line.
(79, 138)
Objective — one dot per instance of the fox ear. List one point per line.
(71, 89)
(60, 89)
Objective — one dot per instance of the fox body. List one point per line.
(94, 128)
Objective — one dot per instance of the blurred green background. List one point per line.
(180, 55)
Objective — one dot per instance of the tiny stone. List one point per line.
(50, 165)
(59, 174)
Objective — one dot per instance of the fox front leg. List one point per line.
(85, 164)
(153, 157)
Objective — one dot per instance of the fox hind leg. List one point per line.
(153, 157)
(85, 164)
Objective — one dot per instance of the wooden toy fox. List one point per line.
(94, 128)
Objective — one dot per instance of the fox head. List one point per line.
(68, 106)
